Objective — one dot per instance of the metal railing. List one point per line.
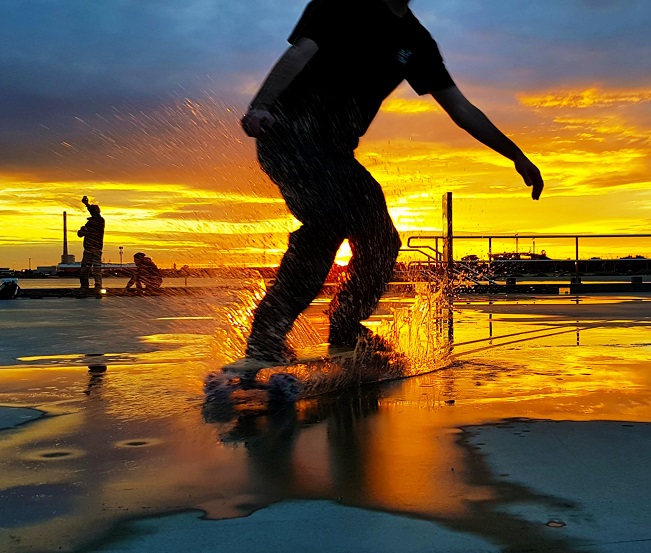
(435, 256)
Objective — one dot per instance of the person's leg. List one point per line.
(97, 271)
(84, 272)
(302, 175)
(301, 275)
(375, 243)
(151, 283)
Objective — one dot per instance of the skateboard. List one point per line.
(247, 384)
(238, 388)
(251, 384)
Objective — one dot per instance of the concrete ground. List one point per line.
(533, 434)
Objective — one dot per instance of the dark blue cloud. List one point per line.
(62, 59)
(59, 55)
(536, 44)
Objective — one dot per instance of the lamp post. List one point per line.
(120, 248)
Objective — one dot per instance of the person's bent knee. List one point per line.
(392, 243)
(396, 242)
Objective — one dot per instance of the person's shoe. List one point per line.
(345, 337)
(340, 352)
(356, 336)
(246, 367)
(283, 355)
(256, 360)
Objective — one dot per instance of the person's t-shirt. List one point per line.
(365, 52)
(94, 234)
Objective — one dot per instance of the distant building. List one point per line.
(71, 269)
(46, 270)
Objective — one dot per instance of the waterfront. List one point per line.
(207, 282)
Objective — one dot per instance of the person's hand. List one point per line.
(257, 121)
(84, 200)
(531, 176)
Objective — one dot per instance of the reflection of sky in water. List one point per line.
(134, 440)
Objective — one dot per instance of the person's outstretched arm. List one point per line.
(474, 122)
(290, 64)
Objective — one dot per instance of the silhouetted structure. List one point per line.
(66, 258)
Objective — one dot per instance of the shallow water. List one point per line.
(139, 439)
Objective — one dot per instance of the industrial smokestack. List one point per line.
(64, 257)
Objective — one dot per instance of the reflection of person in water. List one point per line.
(369, 459)
(96, 373)
(147, 276)
(270, 440)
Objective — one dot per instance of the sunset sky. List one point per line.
(136, 103)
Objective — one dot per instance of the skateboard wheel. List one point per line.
(218, 386)
(284, 387)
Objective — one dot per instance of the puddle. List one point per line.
(135, 440)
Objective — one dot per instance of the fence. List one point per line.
(428, 247)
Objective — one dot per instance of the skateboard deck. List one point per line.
(317, 371)
(233, 388)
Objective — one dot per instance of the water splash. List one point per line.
(414, 340)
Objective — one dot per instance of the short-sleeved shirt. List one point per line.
(93, 233)
(365, 52)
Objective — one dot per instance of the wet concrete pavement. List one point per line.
(535, 435)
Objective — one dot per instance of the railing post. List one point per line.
(576, 259)
(448, 237)
(490, 251)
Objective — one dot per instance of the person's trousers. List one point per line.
(91, 263)
(335, 198)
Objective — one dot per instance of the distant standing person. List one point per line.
(147, 276)
(345, 57)
(93, 235)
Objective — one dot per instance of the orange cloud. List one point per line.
(182, 182)
(591, 97)
(406, 106)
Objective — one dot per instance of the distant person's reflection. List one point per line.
(96, 374)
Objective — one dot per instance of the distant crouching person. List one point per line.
(147, 275)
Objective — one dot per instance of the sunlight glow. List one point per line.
(182, 182)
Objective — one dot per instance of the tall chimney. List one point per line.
(64, 257)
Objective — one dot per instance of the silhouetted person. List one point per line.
(321, 96)
(147, 276)
(93, 235)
